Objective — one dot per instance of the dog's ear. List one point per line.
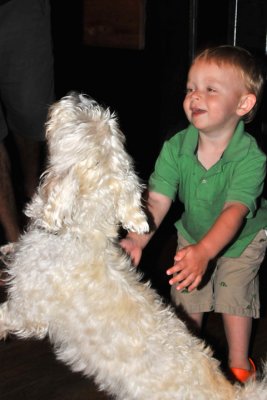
(61, 200)
(53, 206)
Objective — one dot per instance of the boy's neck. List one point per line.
(211, 148)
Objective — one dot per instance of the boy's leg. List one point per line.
(236, 288)
(238, 333)
(197, 318)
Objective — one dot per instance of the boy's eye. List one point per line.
(211, 90)
(188, 90)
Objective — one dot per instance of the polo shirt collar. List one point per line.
(238, 146)
(236, 150)
(190, 141)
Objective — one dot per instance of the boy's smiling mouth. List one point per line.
(197, 111)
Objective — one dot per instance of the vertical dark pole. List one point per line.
(232, 25)
(193, 28)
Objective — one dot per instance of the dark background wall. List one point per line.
(146, 86)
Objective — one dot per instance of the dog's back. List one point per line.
(70, 278)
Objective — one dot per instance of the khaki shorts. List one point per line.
(230, 285)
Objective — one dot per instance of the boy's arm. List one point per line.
(191, 262)
(157, 205)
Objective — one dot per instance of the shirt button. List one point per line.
(204, 181)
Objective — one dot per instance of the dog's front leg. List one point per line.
(130, 211)
(13, 322)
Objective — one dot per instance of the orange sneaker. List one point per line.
(242, 375)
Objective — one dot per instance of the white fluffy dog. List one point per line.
(70, 279)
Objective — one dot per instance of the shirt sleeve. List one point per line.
(248, 180)
(165, 177)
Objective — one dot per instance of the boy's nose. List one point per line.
(195, 94)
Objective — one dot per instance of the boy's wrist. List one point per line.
(207, 249)
(136, 239)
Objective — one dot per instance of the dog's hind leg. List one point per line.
(13, 322)
(3, 327)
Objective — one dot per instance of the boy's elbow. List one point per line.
(236, 209)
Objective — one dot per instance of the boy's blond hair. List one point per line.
(244, 62)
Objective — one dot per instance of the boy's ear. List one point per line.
(247, 102)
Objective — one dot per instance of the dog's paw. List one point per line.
(138, 225)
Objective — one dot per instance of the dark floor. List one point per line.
(29, 370)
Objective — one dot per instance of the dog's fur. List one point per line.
(70, 279)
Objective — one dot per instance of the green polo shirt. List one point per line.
(238, 176)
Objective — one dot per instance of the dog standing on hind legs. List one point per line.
(70, 279)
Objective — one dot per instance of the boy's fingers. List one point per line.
(195, 284)
(188, 284)
(183, 284)
(180, 255)
(180, 277)
(171, 271)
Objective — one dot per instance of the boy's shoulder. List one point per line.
(254, 145)
(189, 135)
(182, 142)
(188, 129)
(242, 145)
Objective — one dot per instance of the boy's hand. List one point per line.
(190, 264)
(132, 249)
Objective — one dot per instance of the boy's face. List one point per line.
(213, 96)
